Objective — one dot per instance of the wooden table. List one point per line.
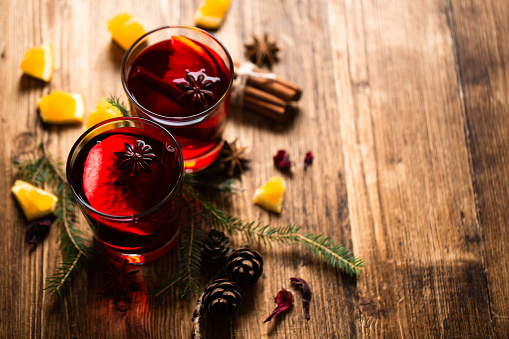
(406, 108)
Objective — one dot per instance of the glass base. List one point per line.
(204, 161)
(141, 259)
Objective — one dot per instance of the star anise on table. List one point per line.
(121, 281)
(233, 157)
(196, 86)
(136, 158)
(262, 51)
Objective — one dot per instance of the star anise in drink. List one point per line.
(196, 86)
(136, 158)
(262, 51)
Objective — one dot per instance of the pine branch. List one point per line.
(45, 170)
(57, 281)
(190, 253)
(115, 102)
(189, 260)
(323, 247)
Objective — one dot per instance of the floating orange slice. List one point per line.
(34, 202)
(125, 29)
(270, 196)
(39, 62)
(62, 108)
(210, 13)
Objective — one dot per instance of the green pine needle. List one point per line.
(47, 171)
(190, 257)
(323, 247)
(115, 102)
(162, 290)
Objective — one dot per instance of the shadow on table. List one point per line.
(247, 117)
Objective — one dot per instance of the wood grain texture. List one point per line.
(482, 59)
(405, 107)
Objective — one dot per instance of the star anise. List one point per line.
(196, 86)
(136, 158)
(233, 157)
(262, 51)
(121, 281)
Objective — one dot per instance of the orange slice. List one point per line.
(270, 196)
(125, 29)
(34, 202)
(62, 108)
(39, 62)
(210, 13)
(103, 111)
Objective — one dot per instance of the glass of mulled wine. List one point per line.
(181, 77)
(126, 174)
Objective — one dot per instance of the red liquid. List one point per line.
(97, 179)
(153, 79)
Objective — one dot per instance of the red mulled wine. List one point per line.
(184, 85)
(128, 182)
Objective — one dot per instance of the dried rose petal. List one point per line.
(306, 293)
(309, 159)
(38, 229)
(284, 300)
(282, 160)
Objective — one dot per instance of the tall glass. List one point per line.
(181, 77)
(126, 174)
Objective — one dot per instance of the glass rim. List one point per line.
(186, 118)
(85, 204)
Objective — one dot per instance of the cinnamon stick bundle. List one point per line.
(269, 97)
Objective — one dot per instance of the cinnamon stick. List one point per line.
(281, 88)
(156, 83)
(260, 95)
(267, 109)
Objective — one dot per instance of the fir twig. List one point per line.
(190, 253)
(58, 280)
(46, 170)
(323, 247)
(115, 102)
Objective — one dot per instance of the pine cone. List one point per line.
(221, 297)
(244, 266)
(216, 247)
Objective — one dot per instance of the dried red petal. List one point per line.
(306, 293)
(309, 159)
(38, 229)
(282, 160)
(284, 300)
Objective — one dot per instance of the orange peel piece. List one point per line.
(39, 62)
(270, 196)
(34, 201)
(103, 111)
(60, 107)
(125, 29)
(210, 13)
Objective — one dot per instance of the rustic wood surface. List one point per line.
(406, 107)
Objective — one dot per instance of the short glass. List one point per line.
(126, 174)
(181, 77)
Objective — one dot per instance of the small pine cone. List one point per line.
(244, 266)
(216, 247)
(221, 297)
